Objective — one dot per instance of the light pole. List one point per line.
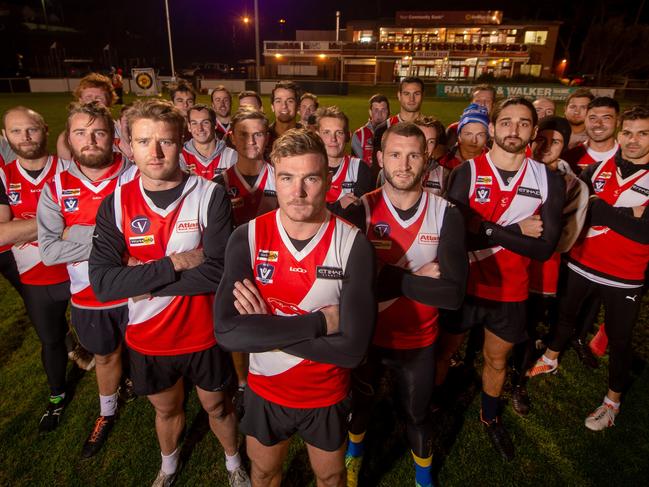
(257, 74)
(171, 49)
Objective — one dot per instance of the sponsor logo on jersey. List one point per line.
(70, 204)
(187, 226)
(482, 195)
(14, 186)
(530, 192)
(381, 229)
(432, 184)
(268, 255)
(70, 192)
(297, 269)
(598, 185)
(326, 272)
(382, 244)
(14, 197)
(140, 224)
(270, 192)
(605, 175)
(233, 191)
(265, 273)
(141, 241)
(428, 238)
(640, 189)
(348, 184)
(484, 180)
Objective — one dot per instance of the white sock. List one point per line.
(108, 405)
(613, 404)
(232, 462)
(550, 361)
(170, 462)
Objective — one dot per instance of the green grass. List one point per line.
(553, 446)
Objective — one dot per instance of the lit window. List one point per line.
(536, 37)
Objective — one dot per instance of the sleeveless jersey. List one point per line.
(222, 129)
(366, 140)
(393, 120)
(434, 180)
(79, 200)
(207, 167)
(604, 252)
(583, 156)
(23, 192)
(496, 273)
(344, 179)
(166, 325)
(249, 202)
(402, 322)
(315, 275)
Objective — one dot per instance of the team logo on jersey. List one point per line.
(14, 198)
(140, 224)
(640, 189)
(530, 192)
(70, 192)
(270, 192)
(428, 238)
(265, 273)
(382, 230)
(598, 185)
(71, 204)
(482, 195)
(141, 241)
(326, 272)
(268, 255)
(187, 226)
(233, 191)
(282, 308)
(348, 184)
(484, 180)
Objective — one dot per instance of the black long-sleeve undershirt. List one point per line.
(303, 335)
(510, 236)
(111, 279)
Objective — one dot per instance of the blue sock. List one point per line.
(355, 445)
(423, 471)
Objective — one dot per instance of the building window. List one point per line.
(536, 37)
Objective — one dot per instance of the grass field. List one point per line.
(553, 446)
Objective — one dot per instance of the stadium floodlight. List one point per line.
(171, 50)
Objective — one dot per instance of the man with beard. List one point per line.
(419, 243)
(609, 261)
(45, 289)
(222, 105)
(205, 154)
(601, 125)
(66, 218)
(283, 99)
(160, 242)
(575, 112)
(472, 137)
(544, 107)
(362, 140)
(512, 205)
(351, 178)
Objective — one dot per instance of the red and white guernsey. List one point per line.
(315, 275)
(583, 156)
(544, 276)
(344, 179)
(250, 201)
(603, 255)
(23, 192)
(496, 273)
(79, 200)
(434, 180)
(207, 167)
(404, 323)
(393, 120)
(365, 136)
(166, 325)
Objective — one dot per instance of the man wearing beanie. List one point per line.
(472, 137)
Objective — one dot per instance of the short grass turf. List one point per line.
(553, 446)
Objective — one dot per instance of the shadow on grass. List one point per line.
(197, 430)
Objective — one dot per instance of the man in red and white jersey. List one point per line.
(513, 208)
(553, 133)
(601, 124)
(363, 138)
(8, 267)
(222, 105)
(472, 137)
(284, 102)
(610, 259)
(351, 177)
(481, 95)
(303, 338)
(45, 289)
(160, 241)
(418, 238)
(66, 218)
(575, 112)
(205, 154)
(436, 176)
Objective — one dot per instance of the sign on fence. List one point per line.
(144, 82)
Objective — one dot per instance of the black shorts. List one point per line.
(268, 422)
(210, 369)
(506, 320)
(100, 331)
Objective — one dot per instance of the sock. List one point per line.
(549, 361)
(170, 462)
(56, 399)
(613, 404)
(490, 407)
(423, 473)
(108, 405)
(355, 445)
(232, 462)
